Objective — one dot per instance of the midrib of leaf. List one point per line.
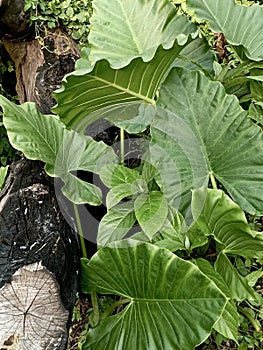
(169, 300)
(129, 25)
(126, 90)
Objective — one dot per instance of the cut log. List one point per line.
(33, 231)
(27, 303)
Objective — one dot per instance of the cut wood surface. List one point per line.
(31, 314)
(38, 262)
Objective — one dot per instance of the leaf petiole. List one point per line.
(213, 181)
(80, 232)
(113, 306)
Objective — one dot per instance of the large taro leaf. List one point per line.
(241, 25)
(173, 305)
(91, 89)
(45, 138)
(200, 131)
(121, 31)
(217, 215)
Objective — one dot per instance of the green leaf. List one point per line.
(151, 210)
(256, 112)
(238, 285)
(253, 277)
(79, 191)
(148, 171)
(256, 77)
(173, 232)
(3, 173)
(217, 215)
(196, 56)
(190, 133)
(116, 223)
(116, 174)
(228, 323)
(164, 307)
(88, 90)
(140, 122)
(119, 33)
(241, 25)
(45, 138)
(117, 193)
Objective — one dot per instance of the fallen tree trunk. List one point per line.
(38, 262)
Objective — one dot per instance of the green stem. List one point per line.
(110, 309)
(122, 146)
(80, 231)
(250, 318)
(95, 318)
(213, 181)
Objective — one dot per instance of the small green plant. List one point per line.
(190, 269)
(72, 14)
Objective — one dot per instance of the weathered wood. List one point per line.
(25, 321)
(33, 230)
(39, 70)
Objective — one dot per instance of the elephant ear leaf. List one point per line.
(136, 29)
(161, 310)
(200, 131)
(98, 89)
(45, 138)
(241, 25)
(121, 45)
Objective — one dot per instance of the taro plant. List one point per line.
(176, 222)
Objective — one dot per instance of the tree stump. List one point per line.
(39, 259)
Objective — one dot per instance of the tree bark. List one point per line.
(36, 243)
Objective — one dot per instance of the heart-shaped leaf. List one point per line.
(116, 174)
(116, 223)
(164, 307)
(151, 211)
(45, 138)
(202, 131)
